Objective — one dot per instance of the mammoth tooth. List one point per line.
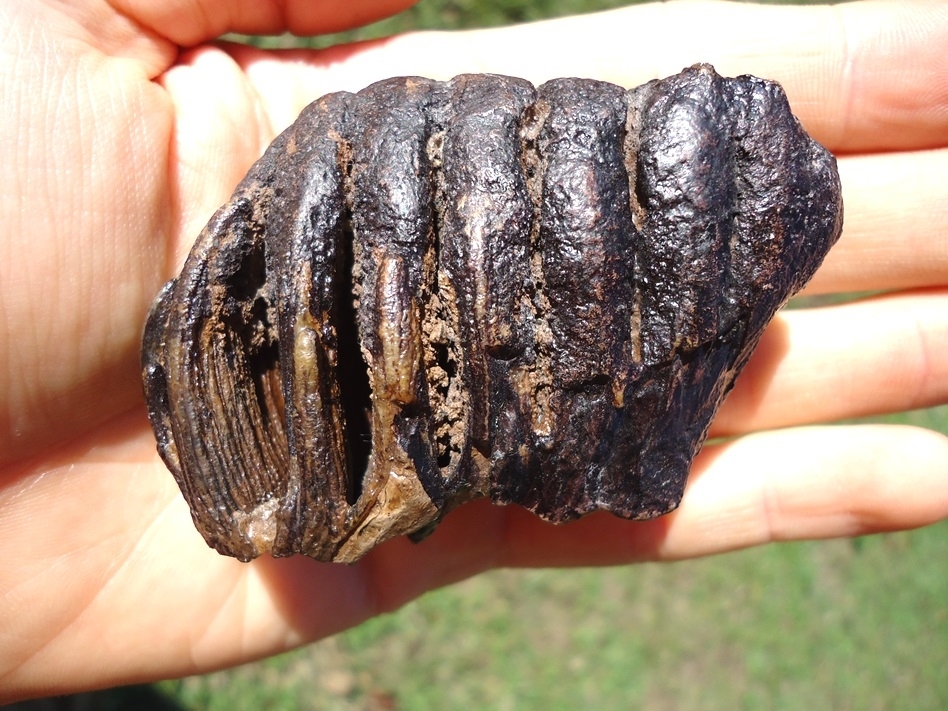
(429, 292)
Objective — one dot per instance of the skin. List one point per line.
(125, 127)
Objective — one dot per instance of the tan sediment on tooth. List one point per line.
(428, 292)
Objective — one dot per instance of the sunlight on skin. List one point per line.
(838, 350)
(895, 204)
(127, 144)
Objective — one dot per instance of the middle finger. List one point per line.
(862, 358)
(895, 228)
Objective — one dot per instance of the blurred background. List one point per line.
(847, 624)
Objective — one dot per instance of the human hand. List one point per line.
(118, 148)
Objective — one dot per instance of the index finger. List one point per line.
(862, 76)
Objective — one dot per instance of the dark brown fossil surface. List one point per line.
(429, 292)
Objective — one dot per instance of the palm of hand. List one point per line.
(122, 151)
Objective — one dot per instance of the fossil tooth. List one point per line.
(428, 292)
